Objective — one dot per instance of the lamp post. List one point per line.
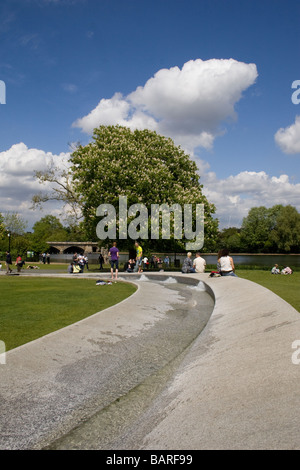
(8, 242)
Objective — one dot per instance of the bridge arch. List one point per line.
(70, 250)
(73, 247)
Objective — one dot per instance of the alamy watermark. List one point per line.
(2, 92)
(296, 354)
(296, 95)
(2, 353)
(139, 226)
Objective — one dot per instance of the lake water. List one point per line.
(260, 260)
(243, 259)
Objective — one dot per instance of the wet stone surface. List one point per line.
(134, 370)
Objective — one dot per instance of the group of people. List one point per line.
(197, 265)
(45, 258)
(285, 270)
(225, 264)
(78, 264)
(8, 262)
(133, 265)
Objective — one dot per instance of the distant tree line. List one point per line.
(265, 230)
(13, 234)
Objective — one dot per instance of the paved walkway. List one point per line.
(235, 388)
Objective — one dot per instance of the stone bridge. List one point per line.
(73, 247)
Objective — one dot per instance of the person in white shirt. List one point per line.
(199, 264)
(226, 264)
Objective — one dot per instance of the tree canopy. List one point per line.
(145, 167)
(275, 229)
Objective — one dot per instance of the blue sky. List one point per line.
(60, 58)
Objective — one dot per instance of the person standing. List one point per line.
(152, 262)
(139, 255)
(114, 260)
(101, 260)
(145, 262)
(81, 263)
(8, 262)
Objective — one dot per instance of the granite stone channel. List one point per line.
(87, 385)
(141, 366)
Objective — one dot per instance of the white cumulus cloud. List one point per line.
(18, 183)
(288, 138)
(234, 196)
(189, 104)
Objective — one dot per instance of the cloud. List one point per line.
(189, 104)
(70, 87)
(17, 181)
(31, 41)
(234, 196)
(288, 138)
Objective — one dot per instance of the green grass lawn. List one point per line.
(60, 267)
(33, 307)
(286, 287)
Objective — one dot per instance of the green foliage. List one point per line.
(231, 239)
(286, 233)
(12, 234)
(14, 223)
(2, 227)
(256, 228)
(142, 165)
(271, 230)
(49, 228)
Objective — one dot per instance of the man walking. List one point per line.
(8, 263)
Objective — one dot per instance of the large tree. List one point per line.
(274, 229)
(286, 233)
(48, 228)
(145, 167)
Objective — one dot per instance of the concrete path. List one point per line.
(235, 387)
(238, 387)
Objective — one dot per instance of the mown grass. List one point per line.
(286, 287)
(33, 307)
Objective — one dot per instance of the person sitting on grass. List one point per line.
(286, 270)
(275, 269)
(70, 268)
